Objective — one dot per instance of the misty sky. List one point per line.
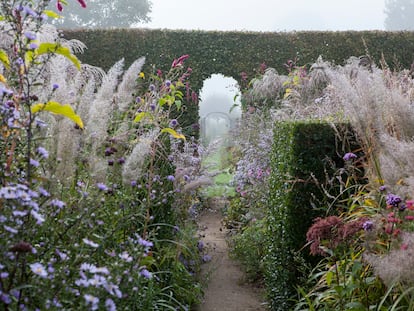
(268, 15)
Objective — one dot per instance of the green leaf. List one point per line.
(355, 306)
(329, 277)
(52, 14)
(173, 133)
(4, 58)
(48, 47)
(56, 108)
(178, 104)
(141, 115)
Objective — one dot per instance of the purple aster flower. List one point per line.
(39, 218)
(102, 187)
(206, 258)
(173, 123)
(170, 178)
(138, 99)
(382, 188)
(38, 269)
(43, 192)
(349, 156)
(33, 46)
(92, 300)
(28, 10)
(152, 87)
(167, 83)
(145, 273)
(4, 275)
(55, 86)
(5, 298)
(34, 163)
(90, 243)
(110, 305)
(19, 61)
(42, 152)
(30, 35)
(125, 256)
(133, 183)
(10, 229)
(144, 243)
(121, 160)
(113, 290)
(57, 203)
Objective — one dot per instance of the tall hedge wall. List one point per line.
(298, 156)
(231, 53)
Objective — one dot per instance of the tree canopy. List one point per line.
(399, 14)
(105, 14)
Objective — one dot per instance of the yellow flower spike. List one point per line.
(2, 79)
(142, 75)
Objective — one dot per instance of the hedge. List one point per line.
(297, 160)
(231, 53)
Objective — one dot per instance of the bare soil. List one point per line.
(226, 288)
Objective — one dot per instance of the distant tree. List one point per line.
(400, 14)
(104, 13)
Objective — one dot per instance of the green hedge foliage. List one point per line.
(298, 159)
(231, 53)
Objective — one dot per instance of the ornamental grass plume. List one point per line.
(134, 166)
(128, 85)
(378, 105)
(396, 265)
(100, 114)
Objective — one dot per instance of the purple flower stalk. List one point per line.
(393, 199)
(368, 225)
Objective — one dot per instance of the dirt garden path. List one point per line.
(226, 289)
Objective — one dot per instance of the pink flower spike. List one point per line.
(82, 3)
(59, 6)
(410, 204)
(404, 246)
(409, 217)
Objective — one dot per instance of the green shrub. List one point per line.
(249, 247)
(298, 162)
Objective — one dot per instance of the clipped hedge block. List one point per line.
(297, 161)
(234, 52)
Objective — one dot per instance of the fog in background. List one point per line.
(268, 15)
(259, 15)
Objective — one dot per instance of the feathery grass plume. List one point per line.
(134, 166)
(374, 103)
(397, 265)
(128, 85)
(100, 114)
(396, 163)
(266, 91)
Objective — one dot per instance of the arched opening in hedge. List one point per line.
(219, 108)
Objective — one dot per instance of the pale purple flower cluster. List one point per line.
(9, 114)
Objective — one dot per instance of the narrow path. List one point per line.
(226, 289)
